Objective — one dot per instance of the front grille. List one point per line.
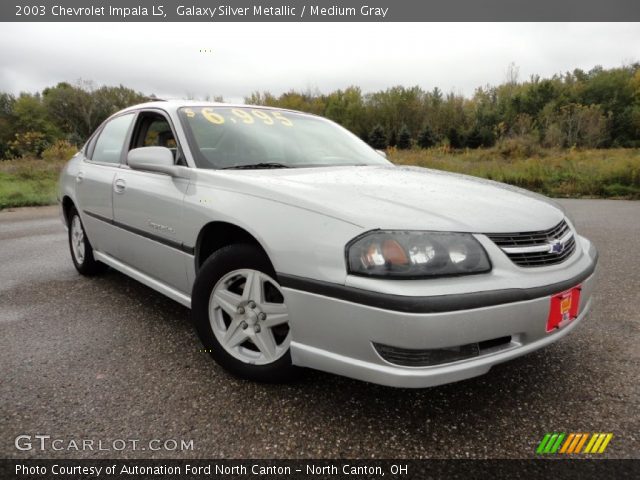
(537, 249)
(407, 357)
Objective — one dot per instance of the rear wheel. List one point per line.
(241, 315)
(81, 250)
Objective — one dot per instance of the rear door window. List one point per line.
(109, 145)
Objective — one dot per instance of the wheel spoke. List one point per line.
(227, 300)
(235, 335)
(253, 287)
(266, 343)
(274, 319)
(273, 308)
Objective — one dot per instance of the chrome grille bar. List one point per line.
(537, 249)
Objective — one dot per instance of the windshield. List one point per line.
(225, 137)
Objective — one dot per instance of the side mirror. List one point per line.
(382, 152)
(153, 159)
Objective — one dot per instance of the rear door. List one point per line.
(148, 206)
(94, 181)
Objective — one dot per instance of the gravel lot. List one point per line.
(108, 358)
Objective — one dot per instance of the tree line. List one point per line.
(32, 122)
(598, 108)
(593, 109)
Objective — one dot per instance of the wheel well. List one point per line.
(216, 235)
(67, 203)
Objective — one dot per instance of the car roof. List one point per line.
(173, 105)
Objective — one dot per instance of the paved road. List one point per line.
(108, 358)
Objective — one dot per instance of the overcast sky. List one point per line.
(165, 59)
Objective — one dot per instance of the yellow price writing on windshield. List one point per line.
(213, 117)
(247, 117)
(244, 116)
(263, 116)
(285, 121)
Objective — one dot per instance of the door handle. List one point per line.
(79, 177)
(120, 185)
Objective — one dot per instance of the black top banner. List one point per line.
(318, 10)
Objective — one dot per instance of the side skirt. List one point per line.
(150, 282)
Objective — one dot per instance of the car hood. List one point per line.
(390, 197)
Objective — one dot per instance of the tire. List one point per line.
(241, 317)
(80, 247)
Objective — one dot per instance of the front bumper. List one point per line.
(338, 336)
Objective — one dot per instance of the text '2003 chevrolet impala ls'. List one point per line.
(296, 244)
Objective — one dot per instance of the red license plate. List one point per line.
(564, 308)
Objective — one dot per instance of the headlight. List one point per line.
(396, 254)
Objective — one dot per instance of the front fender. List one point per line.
(298, 241)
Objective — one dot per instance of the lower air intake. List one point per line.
(438, 356)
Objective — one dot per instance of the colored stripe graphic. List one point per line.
(550, 443)
(598, 443)
(549, 446)
(578, 441)
(556, 446)
(581, 442)
(606, 442)
(572, 443)
(567, 442)
(596, 446)
(543, 443)
(592, 441)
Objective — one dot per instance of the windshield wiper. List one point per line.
(257, 165)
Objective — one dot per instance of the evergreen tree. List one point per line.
(427, 138)
(455, 139)
(393, 139)
(474, 138)
(404, 138)
(377, 138)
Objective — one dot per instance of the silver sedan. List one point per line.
(296, 245)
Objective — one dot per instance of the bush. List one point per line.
(621, 191)
(27, 144)
(524, 146)
(480, 137)
(60, 150)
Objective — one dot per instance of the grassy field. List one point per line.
(27, 182)
(607, 173)
(613, 173)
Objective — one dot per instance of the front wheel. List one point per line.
(241, 315)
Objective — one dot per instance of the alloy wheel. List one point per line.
(77, 239)
(249, 317)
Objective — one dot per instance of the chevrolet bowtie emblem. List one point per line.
(556, 246)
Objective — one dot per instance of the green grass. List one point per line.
(28, 182)
(606, 173)
(613, 173)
